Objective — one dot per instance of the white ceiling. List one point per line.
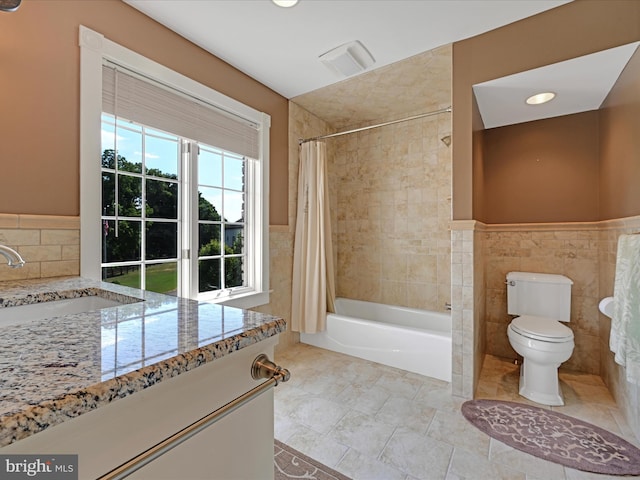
(279, 47)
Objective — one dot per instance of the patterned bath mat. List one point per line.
(553, 436)
(290, 464)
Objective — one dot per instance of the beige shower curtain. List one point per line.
(313, 292)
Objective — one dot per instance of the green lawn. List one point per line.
(162, 278)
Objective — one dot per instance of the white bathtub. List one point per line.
(418, 341)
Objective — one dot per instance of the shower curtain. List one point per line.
(313, 291)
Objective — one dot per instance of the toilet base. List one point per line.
(540, 384)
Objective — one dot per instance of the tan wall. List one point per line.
(542, 171)
(620, 145)
(39, 94)
(571, 30)
(478, 195)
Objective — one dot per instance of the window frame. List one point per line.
(94, 50)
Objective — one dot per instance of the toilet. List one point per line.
(541, 302)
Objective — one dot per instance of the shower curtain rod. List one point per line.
(428, 114)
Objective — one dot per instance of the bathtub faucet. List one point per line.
(14, 260)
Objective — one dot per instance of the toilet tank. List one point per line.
(539, 294)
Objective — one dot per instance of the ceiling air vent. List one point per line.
(348, 59)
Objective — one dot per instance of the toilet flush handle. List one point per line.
(511, 283)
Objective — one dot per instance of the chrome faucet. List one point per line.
(14, 259)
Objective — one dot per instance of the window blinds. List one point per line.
(152, 104)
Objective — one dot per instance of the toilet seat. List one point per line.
(542, 329)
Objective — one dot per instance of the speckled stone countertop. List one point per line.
(55, 369)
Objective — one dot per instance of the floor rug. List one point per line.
(290, 463)
(554, 436)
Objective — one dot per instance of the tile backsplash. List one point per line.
(50, 245)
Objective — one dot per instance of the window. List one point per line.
(173, 183)
(140, 205)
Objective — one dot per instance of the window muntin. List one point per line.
(141, 242)
(221, 220)
(140, 238)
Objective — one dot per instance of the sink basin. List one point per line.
(41, 310)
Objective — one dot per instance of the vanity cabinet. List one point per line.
(238, 446)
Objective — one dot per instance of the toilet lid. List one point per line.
(541, 328)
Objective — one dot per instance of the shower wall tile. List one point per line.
(393, 209)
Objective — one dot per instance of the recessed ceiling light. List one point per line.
(540, 98)
(285, 3)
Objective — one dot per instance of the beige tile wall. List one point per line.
(468, 305)
(586, 252)
(392, 191)
(568, 249)
(50, 245)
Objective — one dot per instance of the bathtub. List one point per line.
(418, 341)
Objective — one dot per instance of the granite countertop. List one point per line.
(58, 368)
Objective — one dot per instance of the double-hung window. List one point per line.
(174, 192)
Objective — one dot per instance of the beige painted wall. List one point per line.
(39, 94)
(541, 171)
(620, 145)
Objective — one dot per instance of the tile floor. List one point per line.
(374, 422)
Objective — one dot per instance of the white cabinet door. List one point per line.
(237, 447)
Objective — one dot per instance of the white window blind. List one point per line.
(150, 103)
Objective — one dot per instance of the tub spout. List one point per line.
(14, 260)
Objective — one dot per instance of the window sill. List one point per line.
(245, 301)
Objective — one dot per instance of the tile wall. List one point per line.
(585, 252)
(50, 245)
(569, 249)
(467, 312)
(392, 191)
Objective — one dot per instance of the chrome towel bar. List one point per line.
(262, 367)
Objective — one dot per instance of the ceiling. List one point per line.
(410, 41)
(280, 47)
